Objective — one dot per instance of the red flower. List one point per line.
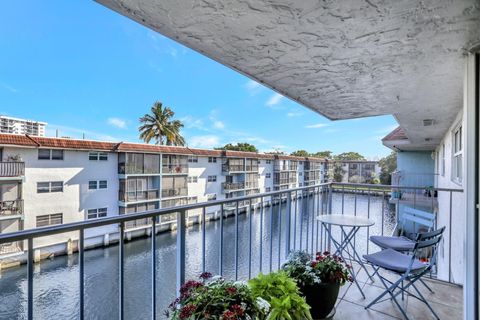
(229, 315)
(326, 253)
(188, 286)
(187, 311)
(232, 290)
(205, 275)
(238, 310)
(313, 264)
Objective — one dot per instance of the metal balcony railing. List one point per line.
(276, 223)
(12, 169)
(11, 208)
(175, 169)
(233, 168)
(233, 186)
(139, 195)
(177, 192)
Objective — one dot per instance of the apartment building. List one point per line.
(22, 126)
(59, 180)
(354, 171)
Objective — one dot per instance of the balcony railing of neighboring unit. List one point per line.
(139, 195)
(251, 168)
(12, 169)
(285, 168)
(175, 169)
(233, 168)
(134, 169)
(292, 226)
(232, 186)
(251, 184)
(178, 192)
(11, 208)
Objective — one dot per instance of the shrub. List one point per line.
(216, 298)
(283, 295)
(325, 268)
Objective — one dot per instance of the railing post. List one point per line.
(30, 263)
(288, 223)
(181, 228)
(330, 192)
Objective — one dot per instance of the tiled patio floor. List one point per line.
(447, 301)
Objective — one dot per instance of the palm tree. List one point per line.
(158, 126)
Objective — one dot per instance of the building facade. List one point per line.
(59, 180)
(22, 126)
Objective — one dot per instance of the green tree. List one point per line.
(349, 156)
(323, 154)
(388, 165)
(338, 172)
(300, 153)
(158, 126)
(241, 146)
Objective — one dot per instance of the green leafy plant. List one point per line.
(283, 295)
(325, 268)
(217, 299)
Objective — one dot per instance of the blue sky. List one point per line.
(86, 69)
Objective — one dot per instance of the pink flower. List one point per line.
(187, 311)
(232, 290)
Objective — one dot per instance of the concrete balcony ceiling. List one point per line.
(343, 59)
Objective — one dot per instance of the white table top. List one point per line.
(345, 220)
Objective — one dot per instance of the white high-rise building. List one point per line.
(22, 126)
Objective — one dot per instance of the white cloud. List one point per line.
(8, 87)
(253, 87)
(218, 124)
(191, 122)
(274, 100)
(316, 126)
(294, 114)
(206, 141)
(117, 122)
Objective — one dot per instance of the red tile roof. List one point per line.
(395, 135)
(66, 143)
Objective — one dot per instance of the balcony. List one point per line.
(177, 192)
(180, 169)
(12, 208)
(233, 168)
(233, 186)
(12, 169)
(139, 195)
(237, 248)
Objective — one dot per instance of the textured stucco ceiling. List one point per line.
(343, 59)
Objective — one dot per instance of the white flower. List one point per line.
(263, 305)
(240, 284)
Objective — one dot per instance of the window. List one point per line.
(96, 213)
(102, 184)
(300, 184)
(92, 185)
(94, 156)
(268, 189)
(268, 175)
(193, 159)
(300, 174)
(193, 179)
(49, 220)
(211, 197)
(50, 154)
(212, 159)
(212, 179)
(47, 187)
(268, 161)
(457, 155)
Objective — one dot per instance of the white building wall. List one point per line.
(458, 208)
(75, 170)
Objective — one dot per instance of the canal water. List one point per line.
(56, 281)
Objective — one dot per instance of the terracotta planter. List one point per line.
(321, 298)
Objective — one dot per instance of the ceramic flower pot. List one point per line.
(321, 298)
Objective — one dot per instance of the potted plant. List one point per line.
(319, 279)
(282, 294)
(216, 298)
